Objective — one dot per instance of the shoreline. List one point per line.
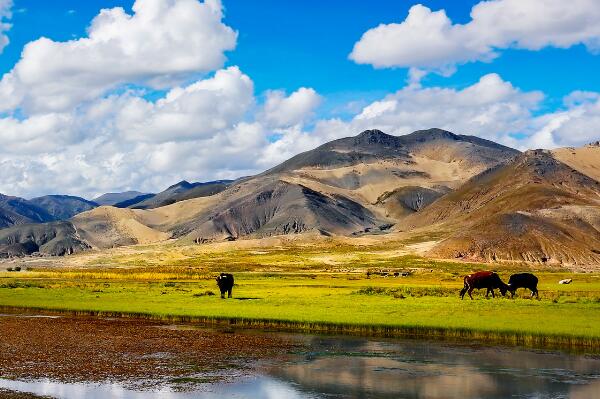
(572, 344)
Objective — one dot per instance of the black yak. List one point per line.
(225, 283)
(523, 280)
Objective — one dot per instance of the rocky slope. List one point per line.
(535, 208)
(55, 238)
(353, 185)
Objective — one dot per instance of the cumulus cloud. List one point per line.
(282, 111)
(5, 14)
(491, 108)
(162, 42)
(72, 122)
(577, 124)
(429, 40)
(195, 111)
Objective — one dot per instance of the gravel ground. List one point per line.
(133, 352)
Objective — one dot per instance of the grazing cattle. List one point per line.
(523, 280)
(225, 283)
(479, 280)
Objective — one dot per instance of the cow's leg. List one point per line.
(222, 294)
(470, 291)
(229, 293)
(493, 296)
(463, 291)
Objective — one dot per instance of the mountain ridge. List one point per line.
(491, 202)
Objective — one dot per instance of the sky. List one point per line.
(111, 95)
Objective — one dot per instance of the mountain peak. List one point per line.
(432, 134)
(182, 184)
(375, 136)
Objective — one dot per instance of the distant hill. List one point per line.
(177, 192)
(114, 198)
(62, 207)
(15, 211)
(133, 201)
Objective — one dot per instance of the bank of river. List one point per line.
(82, 357)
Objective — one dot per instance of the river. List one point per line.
(349, 367)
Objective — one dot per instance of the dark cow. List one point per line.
(479, 280)
(225, 283)
(523, 280)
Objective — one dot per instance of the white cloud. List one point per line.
(77, 124)
(195, 111)
(578, 124)
(5, 13)
(429, 40)
(281, 111)
(162, 42)
(491, 108)
(48, 131)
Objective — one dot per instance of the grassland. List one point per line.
(338, 288)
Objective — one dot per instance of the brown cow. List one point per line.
(479, 280)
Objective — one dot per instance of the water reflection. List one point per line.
(424, 370)
(363, 368)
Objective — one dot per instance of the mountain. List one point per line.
(347, 186)
(62, 207)
(177, 192)
(107, 227)
(55, 238)
(375, 146)
(535, 208)
(133, 201)
(15, 211)
(205, 189)
(114, 198)
(354, 185)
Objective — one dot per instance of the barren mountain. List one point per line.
(62, 207)
(535, 208)
(107, 227)
(346, 186)
(115, 198)
(353, 185)
(584, 159)
(177, 192)
(16, 211)
(55, 238)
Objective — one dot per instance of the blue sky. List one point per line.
(186, 89)
(286, 45)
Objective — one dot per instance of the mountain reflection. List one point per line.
(362, 368)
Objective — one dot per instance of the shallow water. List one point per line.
(343, 367)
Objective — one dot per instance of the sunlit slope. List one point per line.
(535, 208)
(347, 186)
(106, 227)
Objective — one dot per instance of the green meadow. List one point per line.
(300, 296)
